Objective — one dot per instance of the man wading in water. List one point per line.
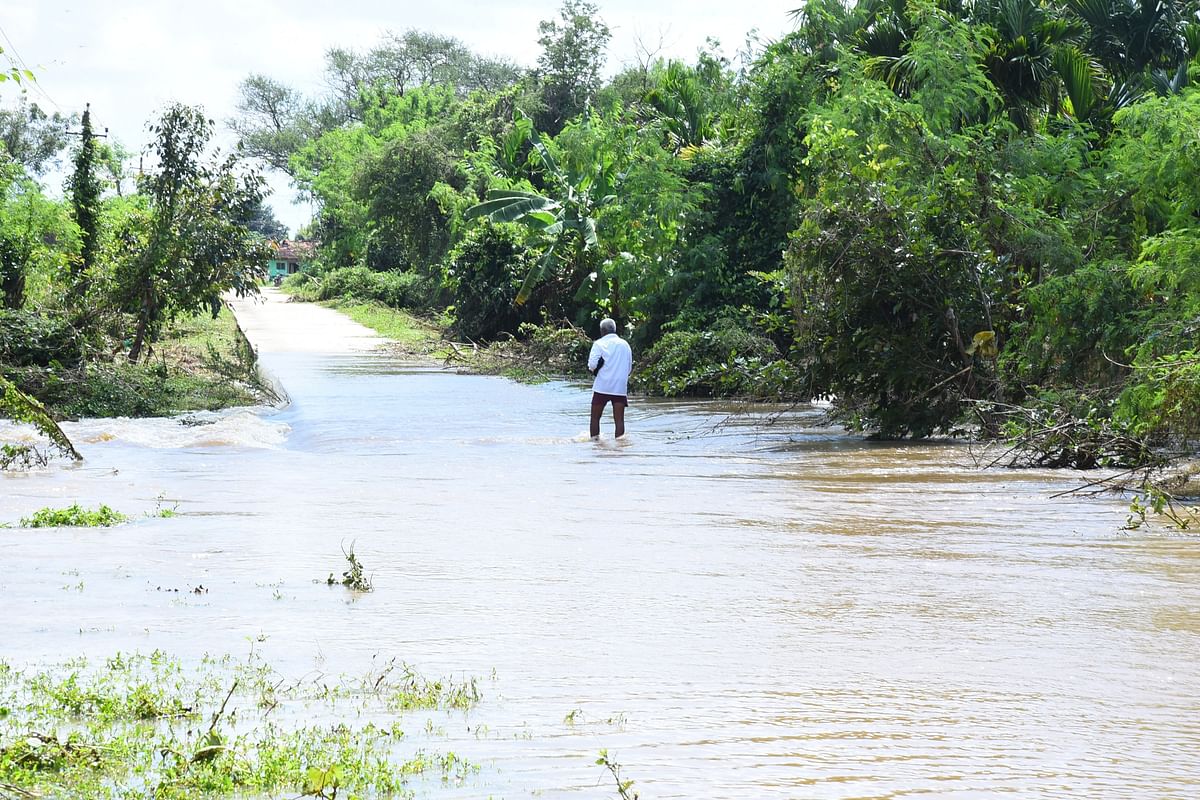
(610, 361)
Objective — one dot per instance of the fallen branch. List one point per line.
(20, 407)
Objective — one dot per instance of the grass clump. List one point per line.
(413, 334)
(74, 516)
(404, 689)
(147, 726)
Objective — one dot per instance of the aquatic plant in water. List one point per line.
(354, 577)
(74, 516)
(147, 725)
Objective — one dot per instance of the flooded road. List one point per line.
(745, 607)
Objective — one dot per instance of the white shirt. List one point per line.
(613, 377)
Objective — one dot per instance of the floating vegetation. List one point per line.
(624, 786)
(74, 516)
(354, 577)
(146, 726)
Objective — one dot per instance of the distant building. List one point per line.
(290, 258)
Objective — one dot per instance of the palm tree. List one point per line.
(1128, 37)
(1024, 56)
(682, 107)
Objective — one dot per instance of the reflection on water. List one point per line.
(739, 606)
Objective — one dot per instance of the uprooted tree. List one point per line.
(21, 408)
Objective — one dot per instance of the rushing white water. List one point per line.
(755, 606)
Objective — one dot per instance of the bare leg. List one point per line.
(597, 410)
(619, 418)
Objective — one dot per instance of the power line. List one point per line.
(21, 62)
(92, 135)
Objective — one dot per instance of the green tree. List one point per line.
(569, 66)
(680, 101)
(263, 222)
(403, 62)
(112, 156)
(407, 228)
(274, 121)
(891, 275)
(372, 184)
(192, 242)
(1129, 37)
(31, 137)
(37, 239)
(484, 274)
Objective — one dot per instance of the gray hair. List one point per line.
(607, 325)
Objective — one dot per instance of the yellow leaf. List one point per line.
(984, 343)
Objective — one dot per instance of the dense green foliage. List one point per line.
(932, 212)
(74, 516)
(928, 211)
(84, 186)
(88, 282)
(487, 268)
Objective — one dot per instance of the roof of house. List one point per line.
(294, 251)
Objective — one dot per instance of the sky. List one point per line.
(131, 58)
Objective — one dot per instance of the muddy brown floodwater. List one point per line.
(756, 606)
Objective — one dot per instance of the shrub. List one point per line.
(359, 284)
(1074, 325)
(486, 270)
(74, 516)
(723, 361)
(303, 285)
(565, 348)
(28, 339)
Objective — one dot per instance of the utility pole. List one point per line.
(85, 188)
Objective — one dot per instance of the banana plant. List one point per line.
(566, 215)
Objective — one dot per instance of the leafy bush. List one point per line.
(1074, 324)
(74, 516)
(723, 361)
(29, 339)
(302, 285)
(1163, 399)
(566, 347)
(486, 270)
(392, 289)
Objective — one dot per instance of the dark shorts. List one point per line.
(599, 399)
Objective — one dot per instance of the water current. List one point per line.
(743, 606)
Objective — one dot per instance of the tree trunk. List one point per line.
(143, 327)
(139, 338)
(12, 276)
